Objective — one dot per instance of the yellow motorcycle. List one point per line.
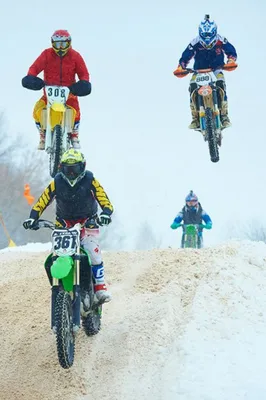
(57, 121)
(57, 118)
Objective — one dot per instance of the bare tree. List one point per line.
(19, 166)
(256, 230)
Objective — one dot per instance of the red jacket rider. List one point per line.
(59, 64)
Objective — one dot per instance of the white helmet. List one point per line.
(208, 33)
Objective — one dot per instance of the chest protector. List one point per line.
(192, 216)
(75, 202)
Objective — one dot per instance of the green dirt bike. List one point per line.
(72, 299)
(192, 236)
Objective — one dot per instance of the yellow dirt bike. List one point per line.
(57, 121)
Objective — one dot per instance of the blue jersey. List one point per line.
(212, 58)
(193, 216)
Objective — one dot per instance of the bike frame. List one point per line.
(57, 113)
(66, 267)
(190, 236)
(206, 90)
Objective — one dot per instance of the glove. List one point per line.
(207, 226)
(104, 219)
(32, 82)
(80, 88)
(180, 72)
(231, 65)
(175, 225)
(29, 224)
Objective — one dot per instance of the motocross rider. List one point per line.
(77, 193)
(59, 64)
(208, 50)
(192, 213)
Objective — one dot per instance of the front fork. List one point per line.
(76, 294)
(216, 112)
(52, 118)
(75, 300)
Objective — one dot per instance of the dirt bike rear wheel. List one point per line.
(92, 322)
(65, 339)
(211, 136)
(56, 150)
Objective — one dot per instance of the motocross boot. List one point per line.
(195, 117)
(224, 115)
(100, 288)
(41, 145)
(102, 293)
(74, 136)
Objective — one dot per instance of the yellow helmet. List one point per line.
(72, 166)
(72, 156)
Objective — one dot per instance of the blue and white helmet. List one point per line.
(191, 200)
(208, 33)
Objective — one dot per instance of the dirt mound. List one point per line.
(152, 295)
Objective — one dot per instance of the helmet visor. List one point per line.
(72, 171)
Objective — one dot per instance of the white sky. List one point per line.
(134, 124)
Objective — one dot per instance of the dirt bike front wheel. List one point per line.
(65, 339)
(56, 150)
(211, 135)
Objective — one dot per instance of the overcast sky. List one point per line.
(134, 124)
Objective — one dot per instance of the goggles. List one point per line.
(72, 171)
(207, 35)
(61, 44)
(192, 202)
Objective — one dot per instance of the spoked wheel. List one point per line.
(92, 322)
(56, 150)
(211, 135)
(65, 339)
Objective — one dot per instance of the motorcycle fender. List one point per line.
(58, 107)
(56, 118)
(62, 267)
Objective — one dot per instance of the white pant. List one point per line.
(92, 246)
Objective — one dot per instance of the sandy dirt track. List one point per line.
(131, 357)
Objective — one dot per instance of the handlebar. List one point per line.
(187, 71)
(43, 223)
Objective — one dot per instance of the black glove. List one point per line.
(80, 88)
(32, 82)
(30, 223)
(91, 223)
(104, 219)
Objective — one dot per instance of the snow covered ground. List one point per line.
(183, 325)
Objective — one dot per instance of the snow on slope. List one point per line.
(183, 325)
